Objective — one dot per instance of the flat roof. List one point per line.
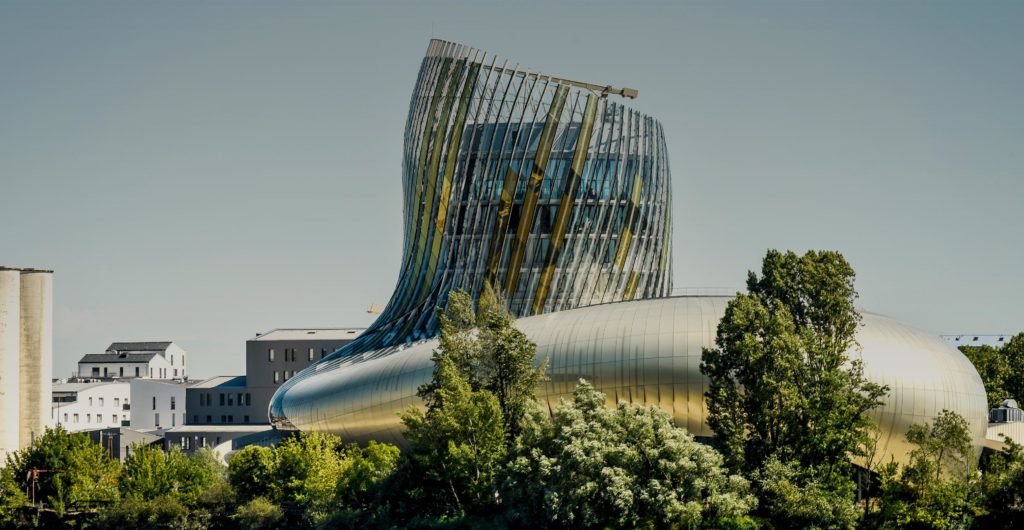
(221, 381)
(78, 387)
(250, 427)
(311, 334)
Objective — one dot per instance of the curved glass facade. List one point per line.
(558, 195)
(555, 193)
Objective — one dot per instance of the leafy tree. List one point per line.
(78, 472)
(306, 472)
(1003, 488)
(803, 498)
(160, 513)
(1013, 351)
(993, 369)
(12, 498)
(250, 472)
(627, 468)
(150, 472)
(457, 447)
(781, 381)
(495, 356)
(259, 514)
(937, 488)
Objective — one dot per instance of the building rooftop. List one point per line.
(117, 357)
(79, 387)
(139, 346)
(251, 427)
(978, 339)
(221, 381)
(310, 334)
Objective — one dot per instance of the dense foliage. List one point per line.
(1001, 369)
(786, 400)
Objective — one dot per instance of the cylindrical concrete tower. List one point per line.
(10, 351)
(36, 361)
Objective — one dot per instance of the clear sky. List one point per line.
(203, 172)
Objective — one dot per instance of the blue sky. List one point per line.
(205, 171)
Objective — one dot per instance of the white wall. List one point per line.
(97, 407)
(10, 351)
(152, 404)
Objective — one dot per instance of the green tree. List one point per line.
(1013, 351)
(457, 447)
(627, 467)
(1003, 489)
(798, 497)
(938, 487)
(251, 472)
(76, 473)
(150, 472)
(994, 370)
(259, 514)
(781, 380)
(306, 473)
(488, 351)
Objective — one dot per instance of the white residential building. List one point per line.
(125, 360)
(157, 404)
(90, 405)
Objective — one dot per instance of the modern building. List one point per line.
(221, 400)
(274, 357)
(558, 195)
(83, 406)
(156, 404)
(26, 355)
(89, 404)
(123, 360)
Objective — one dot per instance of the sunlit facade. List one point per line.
(558, 195)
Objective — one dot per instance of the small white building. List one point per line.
(125, 360)
(90, 405)
(157, 404)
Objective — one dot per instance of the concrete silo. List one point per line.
(10, 351)
(36, 359)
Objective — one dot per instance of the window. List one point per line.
(156, 419)
(76, 418)
(285, 375)
(270, 354)
(223, 418)
(323, 353)
(218, 440)
(88, 418)
(173, 422)
(202, 441)
(175, 372)
(104, 371)
(311, 354)
(120, 371)
(154, 402)
(209, 419)
(171, 358)
(117, 402)
(65, 417)
(231, 419)
(277, 377)
(150, 372)
(240, 400)
(195, 418)
(245, 419)
(172, 402)
(90, 401)
(114, 418)
(101, 402)
(136, 371)
(222, 399)
(231, 400)
(99, 418)
(248, 399)
(95, 371)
